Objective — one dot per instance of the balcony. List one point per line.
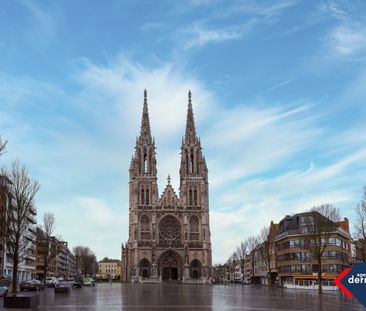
(286, 233)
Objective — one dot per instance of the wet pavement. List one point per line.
(192, 297)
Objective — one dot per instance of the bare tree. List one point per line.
(3, 143)
(252, 243)
(234, 262)
(318, 228)
(48, 249)
(242, 253)
(265, 247)
(4, 182)
(360, 226)
(3, 197)
(20, 214)
(86, 261)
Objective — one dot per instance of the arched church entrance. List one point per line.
(170, 266)
(144, 266)
(195, 269)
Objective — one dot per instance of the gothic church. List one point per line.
(169, 235)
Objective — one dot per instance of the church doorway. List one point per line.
(174, 273)
(166, 274)
(195, 269)
(170, 266)
(144, 267)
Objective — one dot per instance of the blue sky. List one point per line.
(278, 94)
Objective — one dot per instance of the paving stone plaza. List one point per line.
(192, 297)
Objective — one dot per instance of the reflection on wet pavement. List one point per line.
(192, 297)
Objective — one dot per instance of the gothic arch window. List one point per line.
(142, 197)
(194, 228)
(145, 162)
(191, 162)
(190, 197)
(195, 197)
(145, 227)
(147, 197)
(187, 161)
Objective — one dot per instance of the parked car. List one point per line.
(88, 282)
(3, 290)
(31, 285)
(52, 282)
(5, 281)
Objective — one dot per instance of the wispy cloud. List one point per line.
(207, 31)
(336, 9)
(152, 26)
(199, 35)
(264, 138)
(280, 85)
(43, 23)
(347, 38)
(265, 9)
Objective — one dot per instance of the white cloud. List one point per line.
(347, 40)
(90, 221)
(335, 9)
(271, 198)
(206, 31)
(199, 35)
(347, 37)
(255, 140)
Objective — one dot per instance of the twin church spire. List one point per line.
(145, 132)
(144, 161)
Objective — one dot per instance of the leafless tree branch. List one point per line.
(318, 228)
(22, 190)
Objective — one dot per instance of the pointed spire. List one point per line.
(145, 122)
(168, 179)
(190, 127)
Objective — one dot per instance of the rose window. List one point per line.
(169, 228)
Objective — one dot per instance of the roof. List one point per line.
(109, 260)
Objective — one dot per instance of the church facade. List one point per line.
(169, 234)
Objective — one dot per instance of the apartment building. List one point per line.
(61, 260)
(296, 265)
